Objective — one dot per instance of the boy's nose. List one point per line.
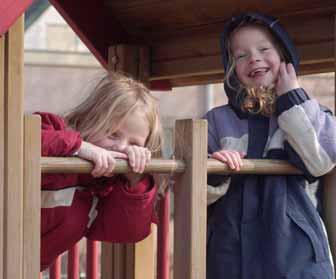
(254, 57)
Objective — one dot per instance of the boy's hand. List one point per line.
(103, 160)
(287, 79)
(232, 158)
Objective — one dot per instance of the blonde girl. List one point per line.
(119, 120)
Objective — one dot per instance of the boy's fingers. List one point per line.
(282, 69)
(235, 161)
(242, 154)
(219, 156)
(290, 69)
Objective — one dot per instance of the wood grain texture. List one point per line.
(13, 191)
(31, 197)
(190, 200)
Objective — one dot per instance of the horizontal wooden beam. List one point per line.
(321, 54)
(77, 165)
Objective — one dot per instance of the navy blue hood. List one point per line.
(276, 30)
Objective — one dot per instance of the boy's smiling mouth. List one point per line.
(258, 72)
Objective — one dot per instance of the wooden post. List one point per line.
(190, 200)
(11, 68)
(130, 261)
(329, 188)
(2, 149)
(130, 59)
(32, 197)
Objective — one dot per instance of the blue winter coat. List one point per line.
(266, 227)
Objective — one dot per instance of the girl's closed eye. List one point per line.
(113, 136)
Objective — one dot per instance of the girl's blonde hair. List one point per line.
(114, 98)
(253, 100)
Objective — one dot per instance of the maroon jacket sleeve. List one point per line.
(125, 215)
(57, 138)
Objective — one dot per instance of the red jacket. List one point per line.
(75, 205)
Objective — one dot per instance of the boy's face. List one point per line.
(134, 130)
(257, 59)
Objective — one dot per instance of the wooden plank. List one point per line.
(190, 200)
(173, 18)
(13, 197)
(198, 65)
(32, 197)
(2, 148)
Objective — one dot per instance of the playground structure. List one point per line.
(177, 45)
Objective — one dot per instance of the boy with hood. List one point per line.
(266, 226)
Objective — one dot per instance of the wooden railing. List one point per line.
(190, 172)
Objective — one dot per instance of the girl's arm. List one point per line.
(56, 138)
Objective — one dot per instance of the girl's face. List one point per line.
(134, 130)
(256, 57)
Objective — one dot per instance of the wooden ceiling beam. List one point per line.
(200, 65)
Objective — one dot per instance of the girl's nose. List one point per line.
(120, 145)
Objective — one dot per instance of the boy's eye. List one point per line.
(240, 56)
(264, 48)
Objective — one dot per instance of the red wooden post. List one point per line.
(92, 260)
(55, 269)
(73, 262)
(163, 262)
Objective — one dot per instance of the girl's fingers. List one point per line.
(119, 155)
(100, 166)
(111, 165)
(143, 160)
(148, 155)
(131, 157)
(137, 159)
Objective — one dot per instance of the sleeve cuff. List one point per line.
(290, 99)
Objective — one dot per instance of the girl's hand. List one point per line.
(104, 160)
(138, 157)
(232, 158)
(287, 79)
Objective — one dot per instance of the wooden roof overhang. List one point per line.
(183, 35)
